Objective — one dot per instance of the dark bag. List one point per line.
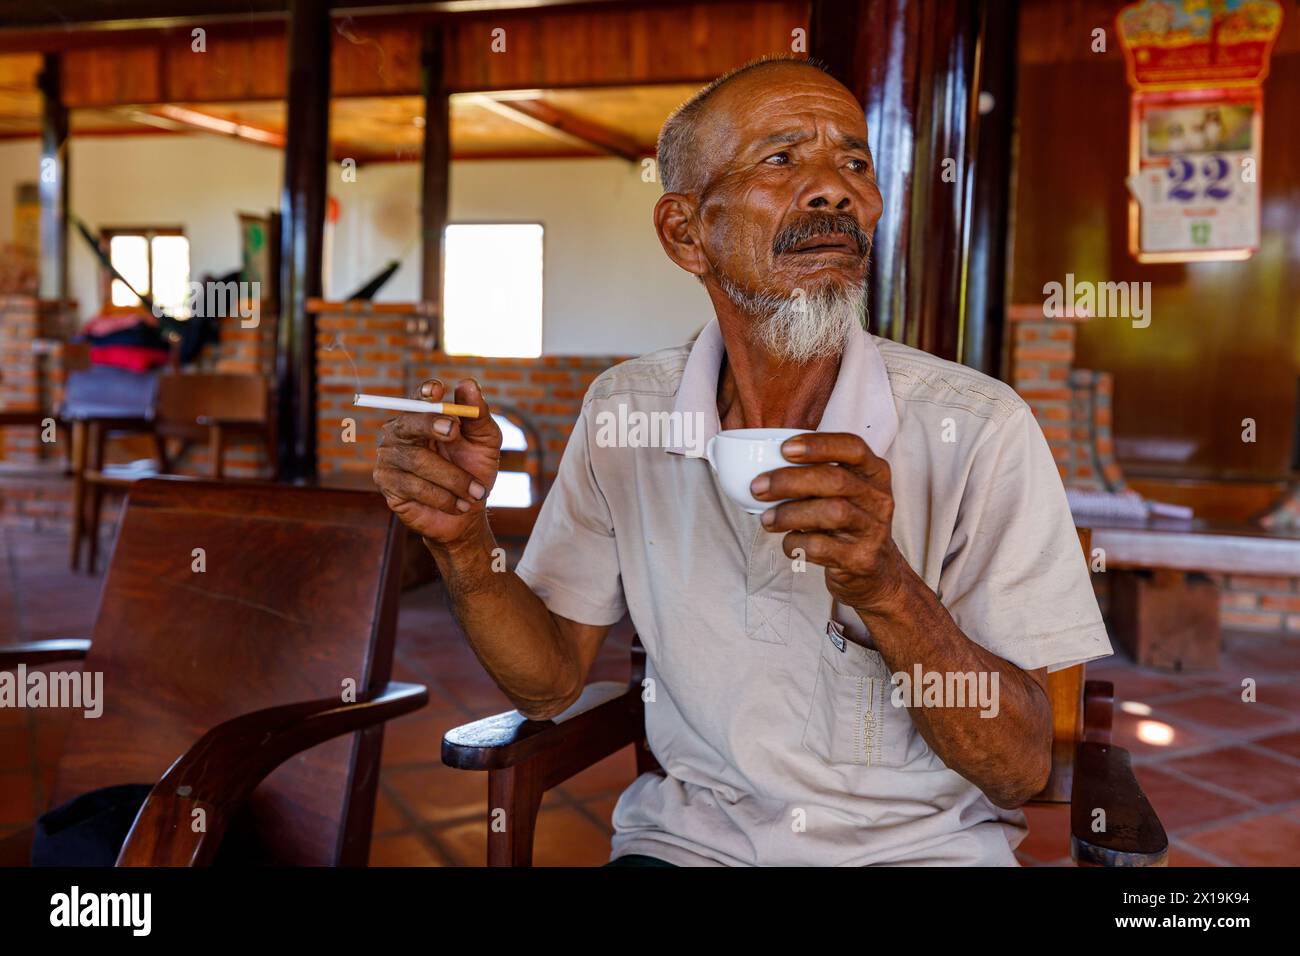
(89, 830)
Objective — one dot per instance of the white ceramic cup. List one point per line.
(739, 455)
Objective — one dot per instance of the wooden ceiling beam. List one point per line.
(541, 115)
(207, 123)
(537, 114)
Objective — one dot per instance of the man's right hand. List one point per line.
(435, 471)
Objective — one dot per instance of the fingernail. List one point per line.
(463, 505)
(793, 449)
(442, 426)
(426, 389)
(760, 485)
(476, 490)
(769, 517)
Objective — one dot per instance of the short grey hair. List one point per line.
(676, 149)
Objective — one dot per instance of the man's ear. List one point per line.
(676, 225)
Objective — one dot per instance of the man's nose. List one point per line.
(826, 188)
(821, 202)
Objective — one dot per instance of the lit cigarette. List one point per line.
(414, 405)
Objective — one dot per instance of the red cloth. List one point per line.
(117, 321)
(133, 358)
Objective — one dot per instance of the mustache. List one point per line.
(812, 225)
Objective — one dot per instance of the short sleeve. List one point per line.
(571, 559)
(1015, 579)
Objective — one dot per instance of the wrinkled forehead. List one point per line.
(769, 100)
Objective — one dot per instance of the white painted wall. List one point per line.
(609, 288)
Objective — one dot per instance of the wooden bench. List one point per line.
(1164, 609)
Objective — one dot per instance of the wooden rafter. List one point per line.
(539, 115)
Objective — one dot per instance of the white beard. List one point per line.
(802, 326)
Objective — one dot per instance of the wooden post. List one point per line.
(912, 63)
(302, 211)
(436, 174)
(53, 181)
(986, 264)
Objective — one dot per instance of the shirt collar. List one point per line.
(861, 402)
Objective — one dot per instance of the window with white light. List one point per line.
(492, 289)
(156, 262)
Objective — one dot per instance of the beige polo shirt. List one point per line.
(780, 747)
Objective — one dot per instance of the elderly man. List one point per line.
(925, 533)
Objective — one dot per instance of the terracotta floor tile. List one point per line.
(565, 837)
(388, 817)
(1183, 856)
(1181, 804)
(1245, 771)
(465, 842)
(602, 808)
(438, 793)
(403, 849)
(417, 738)
(1272, 840)
(1049, 833)
(1288, 743)
(1263, 655)
(1225, 711)
(1158, 734)
(613, 774)
(1143, 685)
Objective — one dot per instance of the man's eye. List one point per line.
(778, 159)
(859, 165)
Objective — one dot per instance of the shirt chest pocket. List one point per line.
(852, 719)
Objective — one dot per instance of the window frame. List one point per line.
(106, 275)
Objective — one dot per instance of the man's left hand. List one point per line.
(841, 517)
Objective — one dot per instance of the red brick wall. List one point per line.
(382, 353)
(31, 371)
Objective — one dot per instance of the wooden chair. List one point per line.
(225, 686)
(525, 758)
(210, 407)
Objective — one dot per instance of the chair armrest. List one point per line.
(607, 717)
(1132, 834)
(43, 652)
(218, 773)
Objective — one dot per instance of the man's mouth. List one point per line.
(835, 242)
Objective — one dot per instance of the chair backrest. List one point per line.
(183, 397)
(296, 593)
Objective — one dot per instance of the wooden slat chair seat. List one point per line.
(525, 758)
(224, 682)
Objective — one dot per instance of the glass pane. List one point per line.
(171, 274)
(512, 436)
(130, 257)
(512, 489)
(493, 289)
